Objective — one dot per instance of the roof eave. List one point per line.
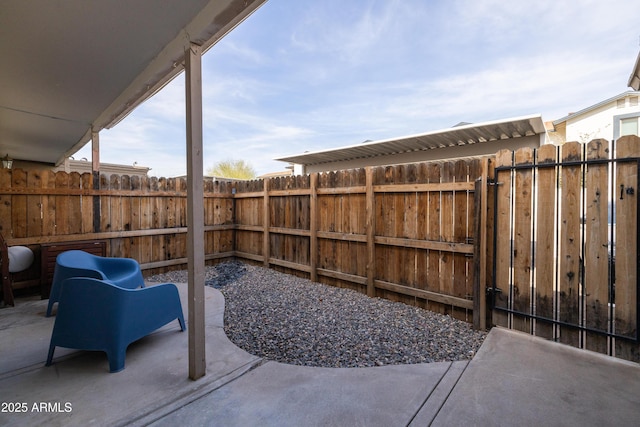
(169, 63)
(329, 155)
(634, 78)
(594, 106)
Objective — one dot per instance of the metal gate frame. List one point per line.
(494, 291)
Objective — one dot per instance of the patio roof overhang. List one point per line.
(72, 68)
(75, 67)
(481, 133)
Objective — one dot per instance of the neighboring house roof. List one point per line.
(276, 174)
(73, 66)
(634, 78)
(459, 135)
(84, 166)
(595, 107)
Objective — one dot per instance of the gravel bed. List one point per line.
(291, 320)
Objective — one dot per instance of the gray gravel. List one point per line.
(291, 320)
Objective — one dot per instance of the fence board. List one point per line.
(181, 210)
(370, 230)
(503, 230)
(596, 262)
(446, 229)
(75, 204)
(626, 251)
(545, 246)
(105, 205)
(62, 205)
(19, 205)
(357, 227)
(49, 205)
(399, 256)
(489, 165)
(570, 244)
(86, 205)
(266, 223)
(146, 221)
(405, 228)
(211, 208)
(387, 263)
(5, 203)
(34, 214)
(135, 219)
(171, 210)
(434, 176)
(522, 238)
(410, 232)
(171, 206)
(476, 229)
(461, 234)
(422, 228)
(115, 208)
(342, 256)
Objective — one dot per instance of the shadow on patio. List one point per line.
(513, 379)
(78, 387)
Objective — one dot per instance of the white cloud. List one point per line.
(241, 53)
(312, 75)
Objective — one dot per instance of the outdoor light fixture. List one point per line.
(7, 162)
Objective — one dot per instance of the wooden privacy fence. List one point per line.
(139, 217)
(403, 232)
(564, 221)
(566, 244)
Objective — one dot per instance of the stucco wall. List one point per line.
(598, 123)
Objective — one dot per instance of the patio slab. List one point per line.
(78, 388)
(517, 379)
(275, 394)
(513, 379)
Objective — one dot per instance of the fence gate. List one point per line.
(566, 244)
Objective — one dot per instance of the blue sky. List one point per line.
(308, 75)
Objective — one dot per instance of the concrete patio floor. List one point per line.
(514, 379)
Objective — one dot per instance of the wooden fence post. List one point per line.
(313, 227)
(502, 218)
(266, 219)
(477, 282)
(480, 249)
(370, 227)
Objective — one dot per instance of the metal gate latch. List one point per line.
(629, 190)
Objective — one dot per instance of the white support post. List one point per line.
(195, 212)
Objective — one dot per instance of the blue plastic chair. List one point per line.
(96, 315)
(122, 272)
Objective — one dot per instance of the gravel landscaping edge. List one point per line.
(292, 320)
